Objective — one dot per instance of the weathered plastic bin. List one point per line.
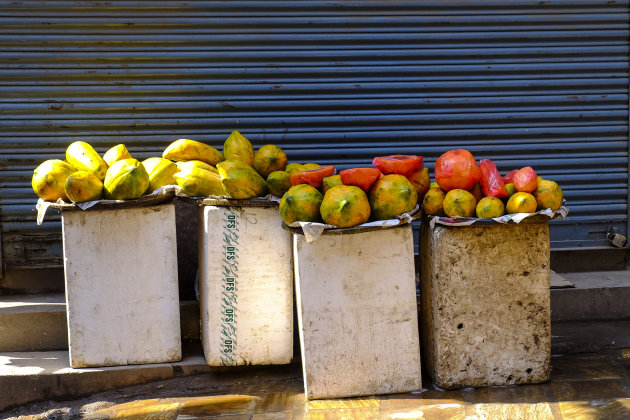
(357, 313)
(245, 283)
(120, 262)
(485, 317)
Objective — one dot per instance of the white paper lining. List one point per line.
(312, 230)
(562, 212)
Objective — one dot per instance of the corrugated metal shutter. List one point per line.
(521, 82)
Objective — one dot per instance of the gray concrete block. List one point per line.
(485, 310)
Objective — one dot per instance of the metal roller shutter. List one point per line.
(521, 82)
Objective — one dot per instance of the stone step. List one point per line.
(32, 376)
(38, 322)
(597, 295)
(33, 322)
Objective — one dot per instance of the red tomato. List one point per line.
(360, 177)
(398, 164)
(507, 179)
(491, 181)
(457, 169)
(313, 176)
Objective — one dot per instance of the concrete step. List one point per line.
(597, 295)
(32, 376)
(589, 336)
(33, 322)
(38, 322)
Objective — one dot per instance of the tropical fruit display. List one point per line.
(465, 188)
(308, 192)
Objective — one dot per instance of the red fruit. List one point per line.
(398, 164)
(360, 177)
(508, 178)
(525, 180)
(312, 177)
(491, 182)
(457, 169)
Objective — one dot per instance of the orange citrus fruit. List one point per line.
(458, 202)
(489, 207)
(521, 202)
(432, 202)
(548, 195)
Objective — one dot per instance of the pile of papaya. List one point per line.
(466, 188)
(200, 170)
(309, 192)
(355, 196)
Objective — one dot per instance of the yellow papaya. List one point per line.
(278, 182)
(184, 149)
(49, 179)
(197, 182)
(241, 180)
(82, 186)
(116, 153)
(184, 166)
(237, 147)
(126, 179)
(294, 168)
(268, 159)
(160, 172)
(83, 157)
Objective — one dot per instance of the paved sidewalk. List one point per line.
(585, 386)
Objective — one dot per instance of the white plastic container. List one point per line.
(121, 285)
(357, 313)
(245, 284)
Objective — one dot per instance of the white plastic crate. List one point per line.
(121, 286)
(245, 285)
(357, 313)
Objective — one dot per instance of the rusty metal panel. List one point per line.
(521, 82)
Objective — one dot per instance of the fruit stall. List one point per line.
(266, 223)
